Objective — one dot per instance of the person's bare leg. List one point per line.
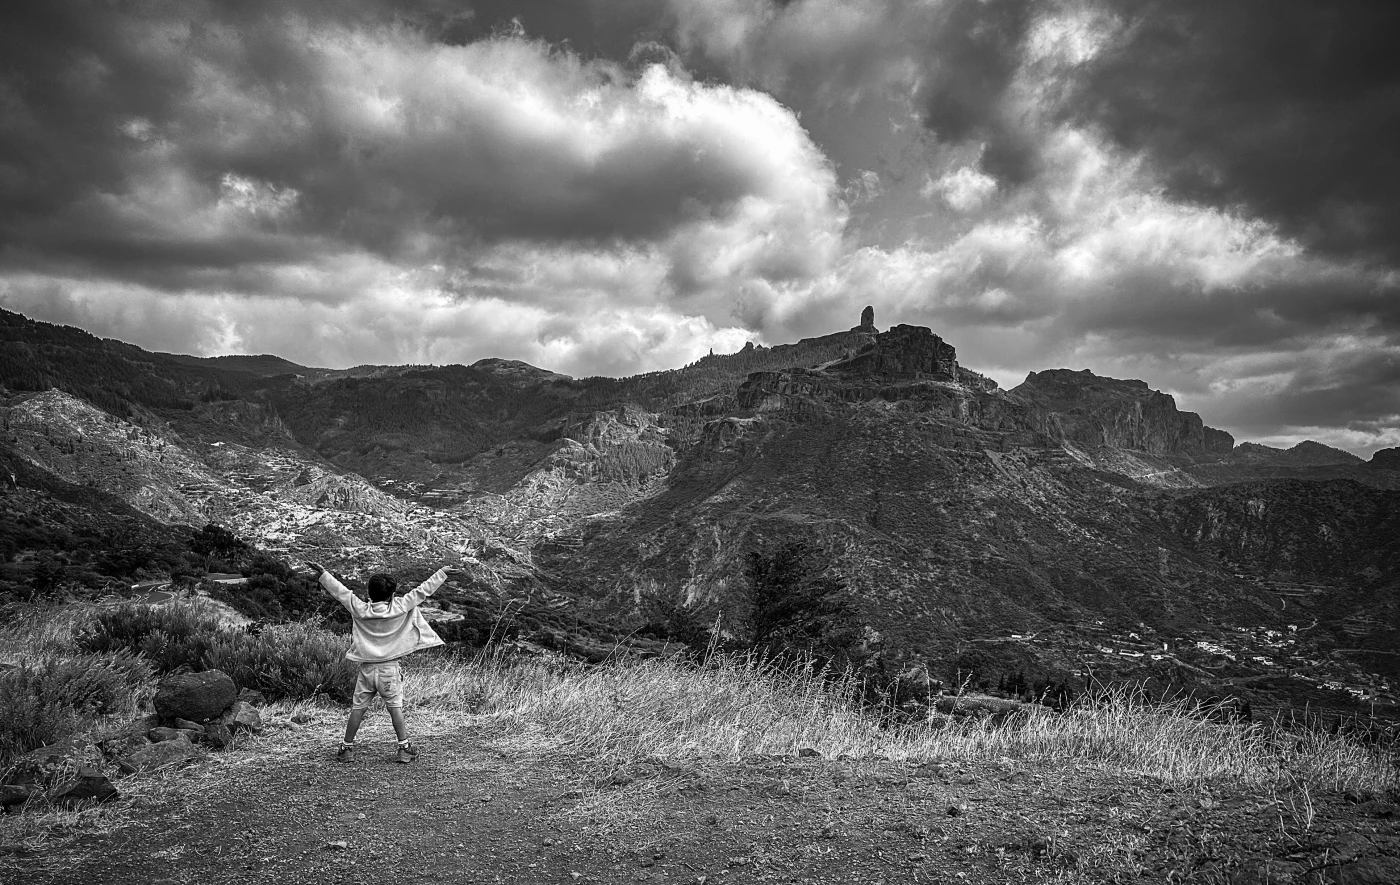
(400, 729)
(353, 724)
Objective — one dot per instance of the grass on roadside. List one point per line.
(735, 708)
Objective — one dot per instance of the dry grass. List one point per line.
(621, 712)
(670, 710)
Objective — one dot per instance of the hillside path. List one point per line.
(484, 804)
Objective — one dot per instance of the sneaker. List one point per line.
(406, 752)
(343, 754)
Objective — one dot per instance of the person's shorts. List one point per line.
(382, 678)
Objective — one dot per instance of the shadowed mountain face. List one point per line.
(1085, 410)
(955, 511)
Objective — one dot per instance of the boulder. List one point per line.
(216, 735)
(197, 697)
(89, 785)
(171, 752)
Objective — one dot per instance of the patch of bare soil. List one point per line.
(484, 804)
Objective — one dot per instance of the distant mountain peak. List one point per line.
(517, 371)
(1308, 453)
(1385, 459)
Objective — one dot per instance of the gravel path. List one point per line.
(484, 804)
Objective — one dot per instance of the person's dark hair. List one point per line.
(381, 588)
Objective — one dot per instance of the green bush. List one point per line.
(51, 700)
(294, 660)
(799, 610)
(170, 636)
(285, 661)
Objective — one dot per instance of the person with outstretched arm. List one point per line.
(386, 629)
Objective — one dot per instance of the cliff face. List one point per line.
(1085, 409)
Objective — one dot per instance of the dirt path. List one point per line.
(485, 805)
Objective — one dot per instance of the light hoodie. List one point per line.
(386, 631)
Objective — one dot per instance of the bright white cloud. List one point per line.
(964, 188)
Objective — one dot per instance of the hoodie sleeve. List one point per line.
(338, 590)
(412, 598)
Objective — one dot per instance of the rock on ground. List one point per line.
(169, 752)
(195, 696)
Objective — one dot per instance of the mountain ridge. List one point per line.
(956, 512)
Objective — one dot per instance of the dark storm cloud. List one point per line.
(972, 61)
(1204, 195)
(122, 126)
(1288, 108)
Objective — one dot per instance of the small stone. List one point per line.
(161, 755)
(301, 718)
(187, 725)
(808, 753)
(252, 696)
(90, 785)
(360, 816)
(954, 811)
(338, 845)
(243, 717)
(162, 733)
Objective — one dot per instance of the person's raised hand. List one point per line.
(316, 567)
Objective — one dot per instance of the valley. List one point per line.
(1075, 528)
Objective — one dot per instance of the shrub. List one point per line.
(294, 660)
(49, 701)
(799, 610)
(170, 636)
(285, 661)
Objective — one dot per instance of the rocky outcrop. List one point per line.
(1084, 409)
(867, 320)
(904, 353)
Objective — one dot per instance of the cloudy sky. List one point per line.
(1203, 195)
